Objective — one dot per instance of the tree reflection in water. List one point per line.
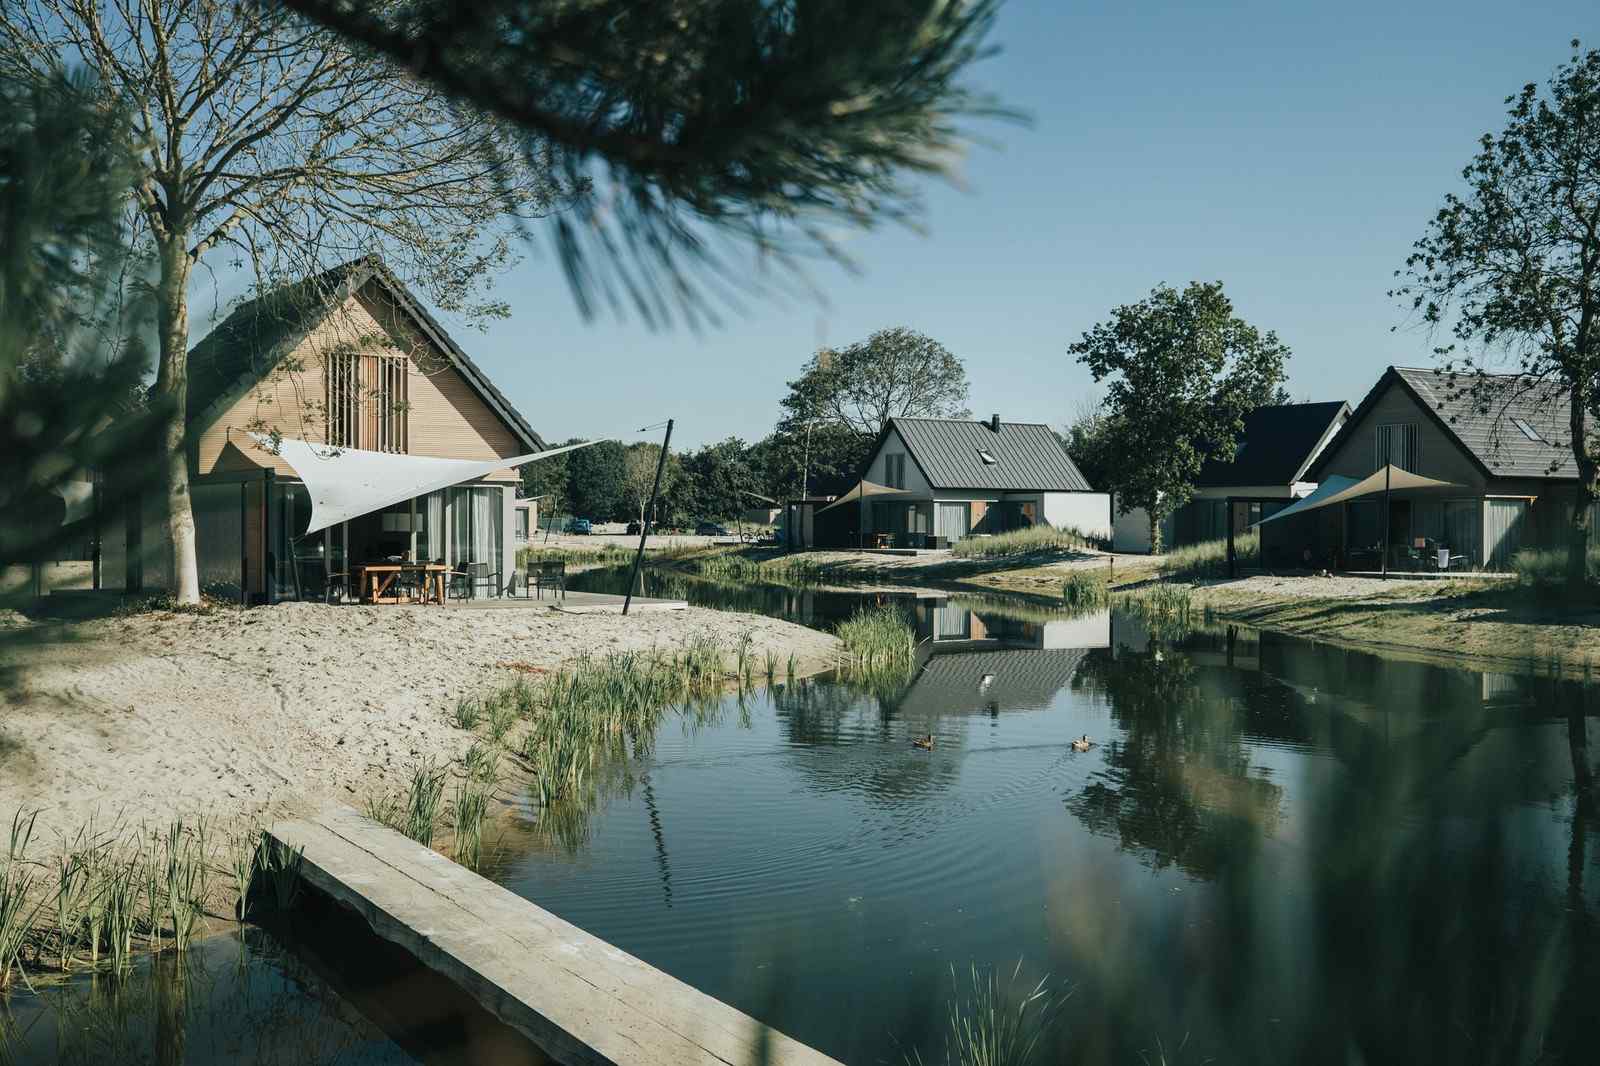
(1405, 917)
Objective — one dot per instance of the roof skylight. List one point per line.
(1527, 430)
(987, 457)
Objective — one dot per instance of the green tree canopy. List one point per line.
(718, 480)
(1511, 269)
(597, 480)
(1184, 370)
(893, 372)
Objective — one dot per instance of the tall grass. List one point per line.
(468, 712)
(1025, 541)
(1085, 591)
(1166, 608)
(997, 1021)
(468, 811)
(1546, 568)
(107, 894)
(1210, 558)
(878, 644)
(781, 570)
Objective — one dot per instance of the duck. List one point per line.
(925, 743)
(1083, 743)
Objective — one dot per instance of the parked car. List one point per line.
(579, 525)
(712, 529)
(634, 529)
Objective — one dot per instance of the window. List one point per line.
(894, 469)
(988, 459)
(522, 523)
(1396, 444)
(344, 400)
(389, 403)
(1527, 430)
(383, 379)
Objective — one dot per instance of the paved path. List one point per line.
(579, 999)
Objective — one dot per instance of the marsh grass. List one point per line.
(782, 570)
(1546, 569)
(1085, 591)
(1209, 559)
(276, 881)
(481, 763)
(1037, 538)
(877, 644)
(468, 712)
(503, 714)
(1166, 608)
(468, 810)
(997, 1021)
(18, 908)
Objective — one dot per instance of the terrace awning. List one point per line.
(346, 483)
(1339, 489)
(863, 489)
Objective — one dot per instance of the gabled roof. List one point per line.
(1492, 439)
(1028, 457)
(1278, 443)
(244, 347)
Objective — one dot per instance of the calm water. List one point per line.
(1282, 850)
(1278, 851)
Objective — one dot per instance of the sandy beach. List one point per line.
(274, 710)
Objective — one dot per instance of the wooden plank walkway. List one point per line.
(579, 999)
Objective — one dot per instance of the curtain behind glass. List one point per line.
(461, 525)
(430, 527)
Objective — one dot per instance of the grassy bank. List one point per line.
(1030, 541)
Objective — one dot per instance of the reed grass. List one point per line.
(1546, 568)
(997, 1021)
(277, 879)
(468, 712)
(782, 570)
(468, 810)
(1166, 608)
(878, 644)
(503, 714)
(1209, 559)
(1025, 541)
(18, 909)
(1085, 591)
(481, 763)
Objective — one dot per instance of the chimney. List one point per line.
(994, 423)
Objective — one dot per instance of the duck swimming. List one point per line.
(1083, 743)
(925, 743)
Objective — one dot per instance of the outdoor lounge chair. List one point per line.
(551, 574)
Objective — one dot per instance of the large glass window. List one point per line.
(476, 525)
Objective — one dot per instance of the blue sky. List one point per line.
(1293, 151)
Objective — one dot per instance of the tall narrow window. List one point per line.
(389, 403)
(1396, 444)
(344, 400)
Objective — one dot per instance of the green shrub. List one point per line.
(1039, 538)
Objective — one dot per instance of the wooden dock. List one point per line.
(577, 998)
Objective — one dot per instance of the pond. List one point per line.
(1276, 851)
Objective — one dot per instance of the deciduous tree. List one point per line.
(288, 147)
(1183, 371)
(893, 372)
(1510, 268)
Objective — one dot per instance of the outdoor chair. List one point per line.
(466, 581)
(550, 574)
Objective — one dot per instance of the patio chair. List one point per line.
(466, 581)
(550, 574)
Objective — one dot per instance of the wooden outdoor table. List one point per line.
(373, 580)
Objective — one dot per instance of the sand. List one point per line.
(279, 710)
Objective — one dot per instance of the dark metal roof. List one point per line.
(1490, 438)
(1277, 444)
(244, 347)
(949, 452)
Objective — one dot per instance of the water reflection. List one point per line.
(1282, 850)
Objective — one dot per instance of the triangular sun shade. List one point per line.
(345, 483)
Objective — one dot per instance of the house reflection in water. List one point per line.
(956, 621)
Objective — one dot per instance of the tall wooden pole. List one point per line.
(1386, 469)
(649, 518)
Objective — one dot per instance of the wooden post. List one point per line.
(1233, 562)
(649, 516)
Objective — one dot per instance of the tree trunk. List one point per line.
(172, 388)
(1588, 488)
(1155, 531)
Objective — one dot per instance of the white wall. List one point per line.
(1087, 512)
(1085, 631)
(876, 470)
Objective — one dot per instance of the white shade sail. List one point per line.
(345, 483)
(1338, 489)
